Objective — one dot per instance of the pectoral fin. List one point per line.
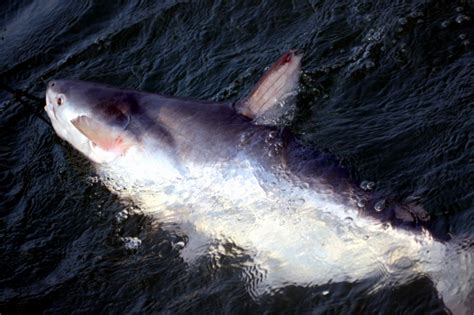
(271, 96)
(106, 137)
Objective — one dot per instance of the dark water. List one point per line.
(387, 87)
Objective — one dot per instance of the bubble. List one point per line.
(444, 24)
(131, 242)
(360, 203)
(93, 179)
(277, 147)
(367, 185)
(369, 64)
(373, 35)
(461, 18)
(403, 21)
(380, 205)
(244, 139)
(348, 220)
(179, 245)
(462, 36)
(122, 215)
(271, 135)
(459, 9)
(386, 226)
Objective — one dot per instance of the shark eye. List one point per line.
(59, 100)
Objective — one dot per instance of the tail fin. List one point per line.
(452, 271)
(270, 99)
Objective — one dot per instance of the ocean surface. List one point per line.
(387, 87)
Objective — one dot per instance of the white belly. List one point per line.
(294, 235)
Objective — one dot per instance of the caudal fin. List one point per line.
(271, 98)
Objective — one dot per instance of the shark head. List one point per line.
(104, 122)
(94, 120)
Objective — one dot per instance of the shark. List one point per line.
(232, 172)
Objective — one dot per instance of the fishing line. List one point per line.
(20, 94)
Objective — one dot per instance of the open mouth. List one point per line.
(49, 108)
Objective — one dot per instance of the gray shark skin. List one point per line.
(228, 171)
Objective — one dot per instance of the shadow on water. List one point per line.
(387, 87)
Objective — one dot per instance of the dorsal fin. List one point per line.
(270, 99)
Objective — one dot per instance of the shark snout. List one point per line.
(57, 103)
(53, 96)
(54, 99)
(51, 84)
(48, 107)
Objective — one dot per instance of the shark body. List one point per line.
(226, 172)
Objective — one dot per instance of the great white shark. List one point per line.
(230, 172)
